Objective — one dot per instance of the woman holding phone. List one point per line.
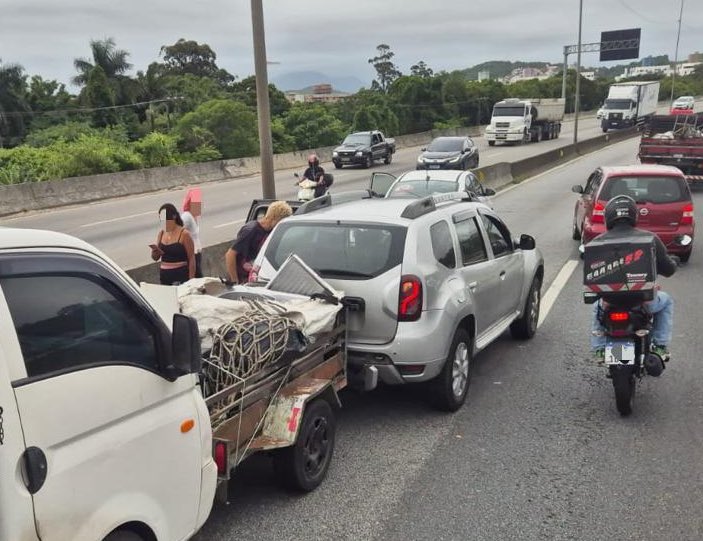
(174, 247)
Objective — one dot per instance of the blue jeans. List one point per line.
(662, 306)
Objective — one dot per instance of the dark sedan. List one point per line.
(449, 153)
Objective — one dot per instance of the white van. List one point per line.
(99, 406)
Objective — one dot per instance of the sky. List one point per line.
(336, 37)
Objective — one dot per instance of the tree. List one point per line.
(15, 110)
(112, 61)
(385, 68)
(313, 126)
(227, 125)
(190, 57)
(245, 91)
(421, 70)
(100, 96)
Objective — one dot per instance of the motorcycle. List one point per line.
(629, 352)
(309, 189)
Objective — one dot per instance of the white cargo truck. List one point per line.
(524, 120)
(629, 104)
(107, 429)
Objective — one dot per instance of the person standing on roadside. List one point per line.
(241, 255)
(192, 210)
(174, 247)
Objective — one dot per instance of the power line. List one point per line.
(88, 109)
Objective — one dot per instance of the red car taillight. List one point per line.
(410, 298)
(687, 216)
(598, 214)
(618, 317)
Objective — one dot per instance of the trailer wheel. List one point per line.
(304, 466)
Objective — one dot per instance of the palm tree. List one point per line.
(13, 99)
(113, 61)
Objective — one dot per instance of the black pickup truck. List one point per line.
(363, 148)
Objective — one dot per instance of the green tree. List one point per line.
(418, 102)
(190, 57)
(421, 70)
(386, 70)
(100, 96)
(15, 111)
(245, 91)
(313, 126)
(113, 61)
(227, 125)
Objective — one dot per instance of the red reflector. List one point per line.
(687, 216)
(411, 369)
(618, 316)
(597, 216)
(221, 458)
(410, 298)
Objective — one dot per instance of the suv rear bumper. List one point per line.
(416, 354)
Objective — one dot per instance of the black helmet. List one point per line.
(621, 208)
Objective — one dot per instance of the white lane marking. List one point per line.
(558, 284)
(120, 218)
(227, 224)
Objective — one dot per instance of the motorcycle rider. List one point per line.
(620, 221)
(315, 173)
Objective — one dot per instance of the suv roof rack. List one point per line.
(328, 200)
(429, 204)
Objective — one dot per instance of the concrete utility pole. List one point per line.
(676, 54)
(577, 98)
(268, 185)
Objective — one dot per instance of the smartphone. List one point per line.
(155, 247)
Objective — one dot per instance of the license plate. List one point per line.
(434, 166)
(501, 136)
(620, 352)
(678, 155)
(346, 160)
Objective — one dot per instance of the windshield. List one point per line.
(357, 139)
(646, 189)
(421, 188)
(446, 145)
(337, 250)
(509, 110)
(617, 104)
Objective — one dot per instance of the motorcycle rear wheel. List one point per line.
(624, 386)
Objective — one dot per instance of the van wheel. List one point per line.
(450, 388)
(491, 143)
(123, 535)
(304, 466)
(526, 327)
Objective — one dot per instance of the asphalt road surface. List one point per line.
(123, 228)
(538, 451)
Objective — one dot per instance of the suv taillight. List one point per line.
(598, 214)
(687, 216)
(410, 298)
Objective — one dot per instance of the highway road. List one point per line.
(538, 451)
(123, 228)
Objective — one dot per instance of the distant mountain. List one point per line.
(299, 80)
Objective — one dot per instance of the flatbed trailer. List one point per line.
(675, 140)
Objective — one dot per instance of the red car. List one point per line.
(663, 199)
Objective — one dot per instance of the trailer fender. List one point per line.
(285, 414)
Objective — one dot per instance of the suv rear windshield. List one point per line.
(338, 250)
(652, 189)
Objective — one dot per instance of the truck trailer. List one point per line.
(523, 120)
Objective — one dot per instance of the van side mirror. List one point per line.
(489, 191)
(527, 242)
(577, 188)
(186, 357)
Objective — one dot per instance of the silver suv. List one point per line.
(434, 280)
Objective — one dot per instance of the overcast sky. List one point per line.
(336, 36)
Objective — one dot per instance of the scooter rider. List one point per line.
(620, 221)
(315, 173)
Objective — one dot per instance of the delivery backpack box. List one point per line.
(620, 267)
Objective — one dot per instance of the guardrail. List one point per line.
(494, 176)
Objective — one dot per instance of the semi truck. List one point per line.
(523, 120)
(629, 104)
(113, 425)
(675, 140)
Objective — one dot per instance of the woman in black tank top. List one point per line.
(174, 247)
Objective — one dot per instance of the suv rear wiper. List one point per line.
(340, 272)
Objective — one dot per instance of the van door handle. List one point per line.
(473, 286)
(502, 275)
(36, 468)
